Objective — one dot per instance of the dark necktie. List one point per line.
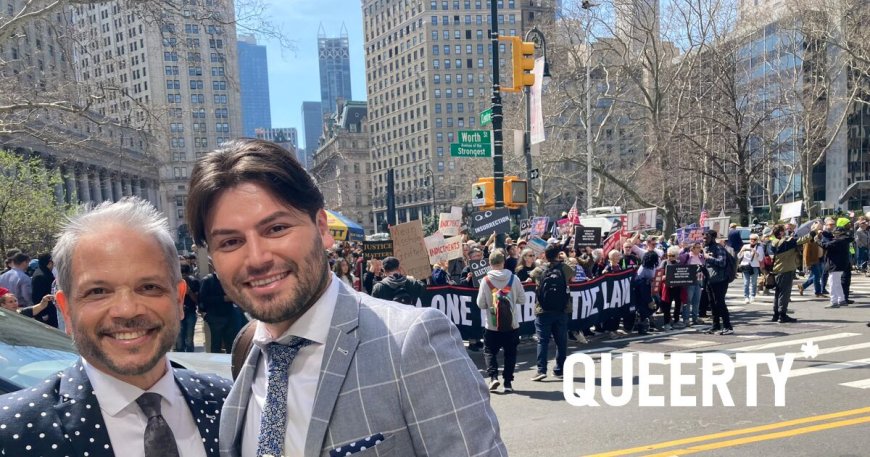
(273, 423)
(159, 440)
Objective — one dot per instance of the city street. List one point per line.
(826, 412)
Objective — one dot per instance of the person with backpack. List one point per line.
(716, 261)
(552, 310)
(499, 293)
(397, 287)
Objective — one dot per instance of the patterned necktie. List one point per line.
(273, 423)
(159, 440)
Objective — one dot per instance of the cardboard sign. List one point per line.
(681, 275)
(410, 249)
(449, 223)
(496, 220)
(790, 210)
(642, 219)
(377, 249)
(525, 227)
(479, 269)
(720, 225)
(586, 237)
(442, 249)
(539, 226)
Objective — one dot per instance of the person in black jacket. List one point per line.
(42, 277)
(218, 312)
(836, 262)
(184, 343)
(396, 286)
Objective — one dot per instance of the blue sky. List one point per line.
(294, 75)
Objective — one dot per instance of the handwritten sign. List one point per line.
(442, 249)
(449, 223)
(410, 249)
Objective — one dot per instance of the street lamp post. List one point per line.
(431, 178)
(538, 37)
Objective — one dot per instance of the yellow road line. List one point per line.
(732, 433)
(766, 437)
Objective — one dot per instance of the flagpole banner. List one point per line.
(790, 210)
(410, 249)
(592, 302)
(536, 128)
(449, 223)
(719, 224)
(642, 219)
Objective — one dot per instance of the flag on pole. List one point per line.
(573, 217)
(703, 221)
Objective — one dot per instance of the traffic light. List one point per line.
(483, 193)
(516, 192)
(523, 53)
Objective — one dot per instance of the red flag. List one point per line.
(612, 242)
(573, 216)
(703, 221)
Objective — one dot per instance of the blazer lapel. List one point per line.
(340, 348)
(80, 416)
(232, 420)
(205, 412)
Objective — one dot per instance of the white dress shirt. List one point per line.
(125, 421)
(302, 379)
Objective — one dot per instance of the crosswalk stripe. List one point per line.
(595, 350)
(760, 347)
(830, 350)
(862, 384)
(827, 367)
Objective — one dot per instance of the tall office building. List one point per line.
(312, 125)
(181, 68)
(254, 86)
(428, 76)
(333, 53)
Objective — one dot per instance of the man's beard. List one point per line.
(311, 280)
(90, 350)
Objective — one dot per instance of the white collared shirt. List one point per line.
(125, 421)
(302, 379)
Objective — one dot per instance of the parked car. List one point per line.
(31, 351)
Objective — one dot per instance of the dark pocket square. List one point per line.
(357, 446)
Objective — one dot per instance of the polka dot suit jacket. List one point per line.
(61, 417)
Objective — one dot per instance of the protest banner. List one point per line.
(525, 227)
(377, 249)
(690, 234)
(449, 223)
(443, 249)
(410, 249)
(592, 302)
(642, 219)
(586, 237)
(719, 224)
(791, 210)
(539, 226)
(479, 269)
(496, 220)
(681, 275)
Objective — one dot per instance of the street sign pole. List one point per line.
(497, 157)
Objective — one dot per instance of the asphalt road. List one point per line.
(826, 395)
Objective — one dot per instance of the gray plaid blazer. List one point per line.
(390, 371)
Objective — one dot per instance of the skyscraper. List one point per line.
(334, 57)
(254, 86)
(312, 126)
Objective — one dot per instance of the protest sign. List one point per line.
(790, 210)
(456, 211)
(719, 224)
(681, 275)
(592, 302)
(410, 249)
(641, 219)
(479, 269)
(525, 227)
(565, 227)
(539, 226)
(690, 234)
(449, 223)
(443, 249)
(537, 245)
(586, 237)
(377, 249)
(496, 220)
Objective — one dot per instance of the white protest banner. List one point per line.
(453, 247)
(536, 131)
(790, 210)
(642, 219)
(719, 224)
(410, 248)
(434, 245)
(449, 224)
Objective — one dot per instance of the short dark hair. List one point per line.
(778, 230)
(390, 264)
(20, 258)
(43, 259)
(247, 160)
(552, 252)
(185, 269)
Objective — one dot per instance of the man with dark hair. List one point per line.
(184, 343)
(17, 281)
(396, 286)
(261, 217)
(717, 284)
(218, 312)
(552, 310)
(42, 278)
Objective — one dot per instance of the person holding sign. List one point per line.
(499, 294)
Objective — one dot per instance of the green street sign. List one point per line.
(486, 117)
(473, 150)
(469, 137)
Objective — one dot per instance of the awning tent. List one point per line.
(344, 229)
